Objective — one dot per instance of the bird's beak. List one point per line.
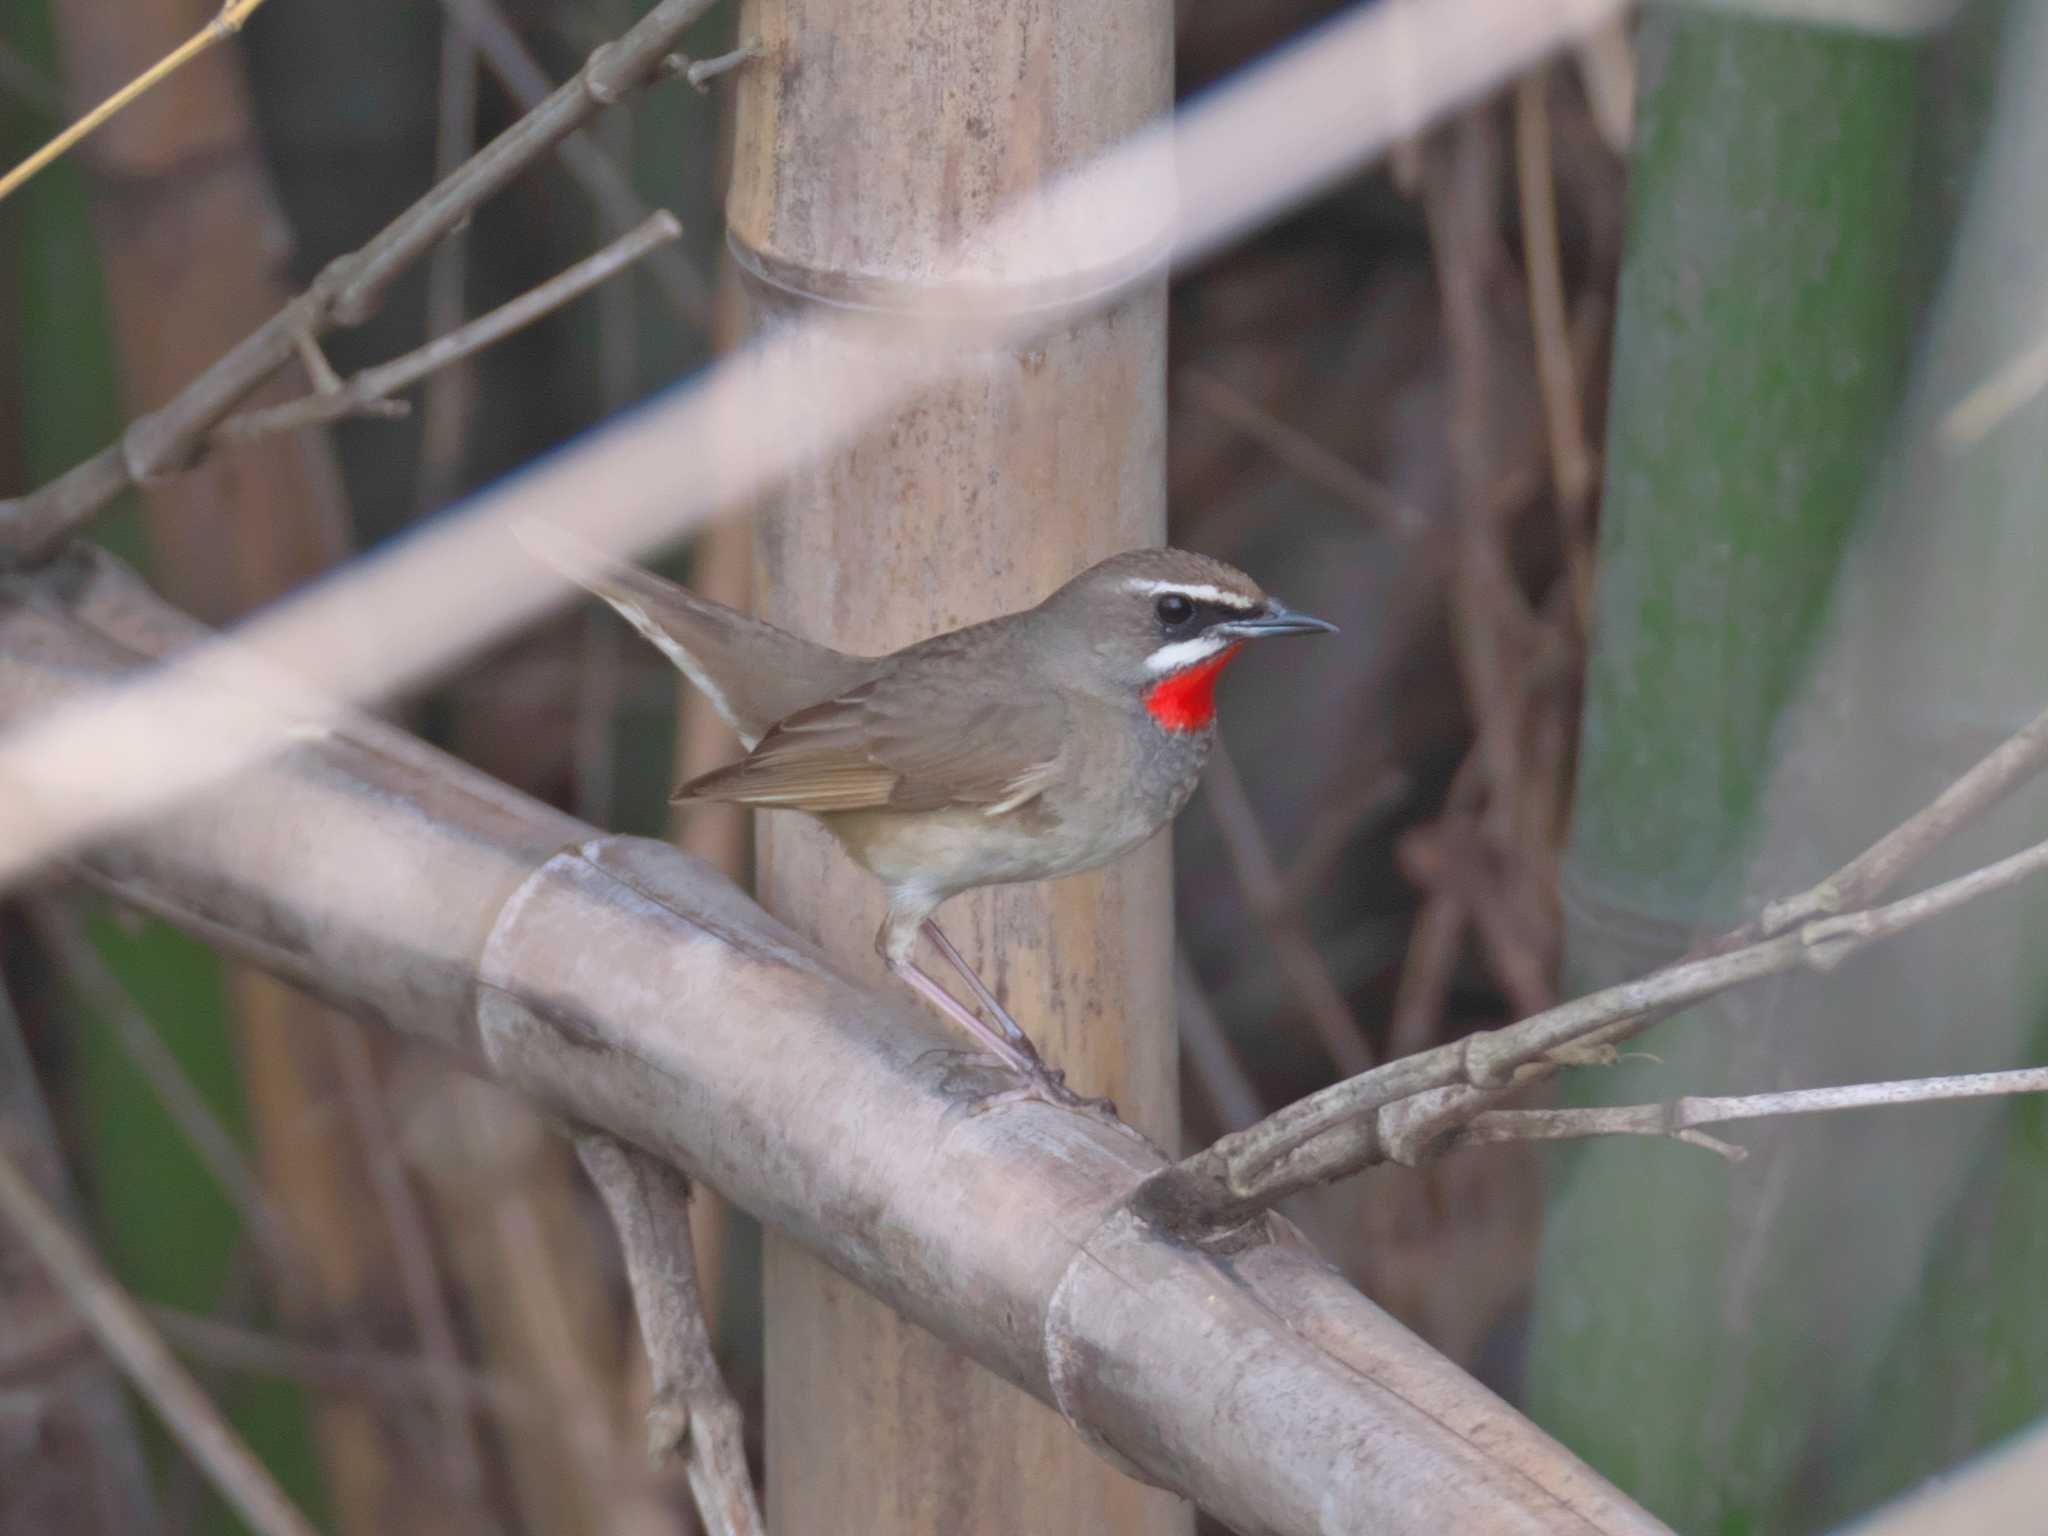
(1277, 619)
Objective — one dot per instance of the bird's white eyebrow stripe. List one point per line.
(1194, 591)
(1184, 653)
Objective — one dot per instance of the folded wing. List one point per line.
(900, 744)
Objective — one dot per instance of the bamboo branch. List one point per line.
(370, 392)
(692, 1414)
(1362, 1121)
(121, 1328)
(347, 291)
(1681, 1117)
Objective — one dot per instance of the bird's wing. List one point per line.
(899, 744)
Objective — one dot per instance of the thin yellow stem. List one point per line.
(225, 25)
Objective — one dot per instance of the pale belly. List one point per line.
(950, 851)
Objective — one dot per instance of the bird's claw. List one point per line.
(1048, 1085)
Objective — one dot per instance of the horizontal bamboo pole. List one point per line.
(623, 984)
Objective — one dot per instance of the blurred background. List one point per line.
(1614, 425)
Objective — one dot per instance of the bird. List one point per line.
(1039, 744)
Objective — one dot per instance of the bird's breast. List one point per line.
(1108, 803)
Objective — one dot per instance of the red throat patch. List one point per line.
(1186, 700)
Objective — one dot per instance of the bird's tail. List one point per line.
(753, 673)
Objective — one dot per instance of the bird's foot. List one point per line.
(1048, 1085)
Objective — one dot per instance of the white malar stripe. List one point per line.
(1184, 653)
(667, 644)
(1193, 591)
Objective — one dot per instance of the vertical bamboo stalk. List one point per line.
(871, 138)
(1681, 1338)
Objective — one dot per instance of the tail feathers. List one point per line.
(753, 673)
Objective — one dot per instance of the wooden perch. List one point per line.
(626, 986)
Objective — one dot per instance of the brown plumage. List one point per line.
(1035, 745)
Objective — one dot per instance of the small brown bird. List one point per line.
(1038, 744)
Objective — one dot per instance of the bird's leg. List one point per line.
(1011, 1045)
(979, 988)
(960, 1014)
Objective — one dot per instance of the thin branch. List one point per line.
(1871, 873)
(412, 1248)
(608, 185)
(229, 1347)
(450, 399)
(1681, 1117)
(1571, 464)
(224, 26)
(125, 1333)
(1240, 1172)
(692, 1413)
(369, 393)
(1302, 454)
(703, 71)
(140, 1042)
(1338, 1130)
(347, 291)
(1259, 877)
(1371, 798)
(1206, 1049)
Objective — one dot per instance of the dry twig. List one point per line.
(1208, 1053)
(370, 392)
(231, 1347)
(347, 291)
(412, 1247)
(1361, 1121)
(692, 1414)
(1302, 453)
(1259, 878)
(224, 26)
(702, 72)
(601, 176)
(450, 396)
(182, 1101)
(1571, 464)
(1680, 1118)
(121, 1328)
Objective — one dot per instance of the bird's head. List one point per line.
(1161, 623)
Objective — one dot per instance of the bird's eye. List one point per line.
(1173, 610)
